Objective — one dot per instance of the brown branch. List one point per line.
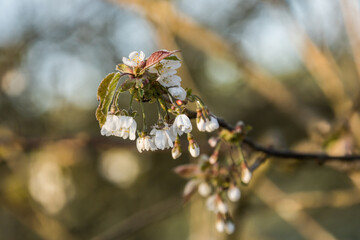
(284, 154)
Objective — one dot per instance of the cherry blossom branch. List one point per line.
(282, 154)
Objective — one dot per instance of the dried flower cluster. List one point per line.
(155, 81)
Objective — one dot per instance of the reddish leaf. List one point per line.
(158, 56)
(187, 170)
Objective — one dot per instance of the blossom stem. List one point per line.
(159, 109)
(241, 155)
(201, 103)
(131, 103)
(143, 116)
(166, 110)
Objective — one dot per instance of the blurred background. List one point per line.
(289, 68)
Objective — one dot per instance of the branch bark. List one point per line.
(282, 154)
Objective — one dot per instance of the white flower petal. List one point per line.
(166, 72)
(170, 81)
(212, 125)
(229, 227)
(194, 150)
(178, 93)
(139, 142)
(133, 54)
(220, 225)
(234, 194)
(204, 189)
(201, 125)
(171, 64)
(141, 56)
(182, 124)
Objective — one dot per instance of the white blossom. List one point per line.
(234, 194)
(229, 227)
(211, 203)
(111, 125)
(127, 128)
(120, 126)
(220, 225)
(178, 93)
(163, 138)
(134, 59)
(204, 189)
(201, 125)
(207, 125)
(212, 125)
(182, 124)
(169, 80)
(221, 206)
(166, 67)
(170, 64)
(145, 143)
(245, 175)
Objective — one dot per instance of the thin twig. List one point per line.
(285, 154)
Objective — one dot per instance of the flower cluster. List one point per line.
(120, 126)
(217, 180)
(152, 80)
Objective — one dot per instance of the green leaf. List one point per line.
(188, 92)
(124, 68)
(173, 58)
(127, 84)
(105, 95)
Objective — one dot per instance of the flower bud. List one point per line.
(211, 203)
(214, 157)
(213, 141)
(245, 175)
(220, 224)
(221, 206)
(176, 151)
(229, 226)
(211, 124)
(200, 122)
(204, 189)
(193, 146)
(233, 193)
